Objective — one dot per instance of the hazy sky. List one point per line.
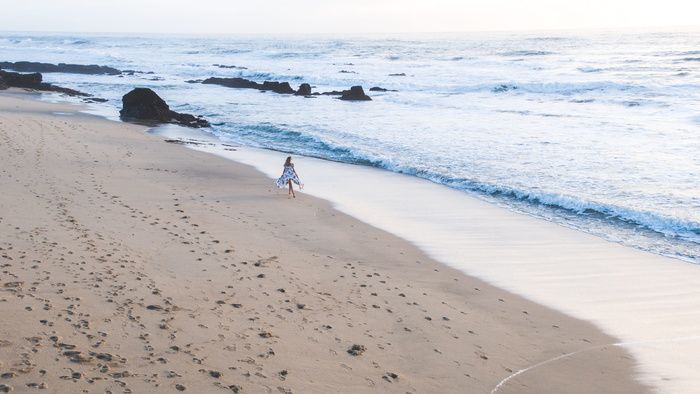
(339, 16)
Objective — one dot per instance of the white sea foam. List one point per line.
(595, 130)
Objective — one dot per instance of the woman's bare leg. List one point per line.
(291, 189)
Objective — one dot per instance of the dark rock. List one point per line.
(3, 84)
(95, 100)
(145, 104)
(59, 68)
(356, 93)
(397, 75)
(31, 81)
(278, 87)
(304, 90)
(242, 83)
(34, 81)
(378, 89)
(190, 120)
(334, 93)
(239, 83)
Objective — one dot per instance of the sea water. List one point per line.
(594, 130)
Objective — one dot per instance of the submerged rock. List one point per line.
(145, 104)
(378, 89)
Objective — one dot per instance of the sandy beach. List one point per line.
(133, 264)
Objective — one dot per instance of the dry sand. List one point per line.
(130, 264)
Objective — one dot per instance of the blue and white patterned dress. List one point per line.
(288, 175)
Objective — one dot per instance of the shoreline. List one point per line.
(647, 300)
(134, 263)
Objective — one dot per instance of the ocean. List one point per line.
(597, 130)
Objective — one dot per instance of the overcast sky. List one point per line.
(339, 16)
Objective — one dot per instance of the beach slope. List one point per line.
(131, 264)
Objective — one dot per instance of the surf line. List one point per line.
(620, 344)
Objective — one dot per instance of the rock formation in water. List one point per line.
(145, 104)
(304, 90)
(241, 83)
(59, 68)
(356, 93)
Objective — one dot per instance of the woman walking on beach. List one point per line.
(289, 175)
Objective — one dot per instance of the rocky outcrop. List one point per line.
(304, 90)
(278, 87)
(17, 80)
(34, 81)
(59, 68)
(356, 93)
(378, 89)
(3, 84)
(241, 83)
(145, 104)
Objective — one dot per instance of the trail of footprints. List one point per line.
(176, 349)
(250, 335)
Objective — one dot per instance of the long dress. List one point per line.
(288, 175)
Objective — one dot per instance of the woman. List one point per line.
(289, 175)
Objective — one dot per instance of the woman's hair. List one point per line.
(289, 161)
